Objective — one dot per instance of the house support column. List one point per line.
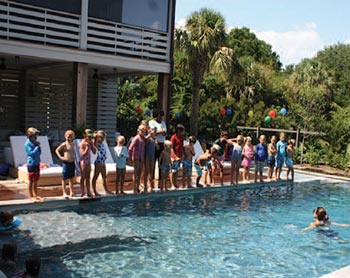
(164, 94)
(80, 83)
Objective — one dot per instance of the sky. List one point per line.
(296, 29)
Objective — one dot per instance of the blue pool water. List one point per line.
(231, 234)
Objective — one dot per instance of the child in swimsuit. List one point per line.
(100, 165)
(85, 148)
(248, 155)
(66, 153)
(322, 220)
(189, 153)
(236, 158)
(165, 164)
(122, 155)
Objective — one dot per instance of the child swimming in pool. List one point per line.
(322, 220)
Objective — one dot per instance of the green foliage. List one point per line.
(245, 43)
(215, 70)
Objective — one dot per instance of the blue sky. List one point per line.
(296, 29)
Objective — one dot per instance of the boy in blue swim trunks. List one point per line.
(201, 165)
(289, 159)
(271, 161)
(165, 165)
(281, 149)
(66, 153)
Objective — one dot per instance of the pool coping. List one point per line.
(60, 202)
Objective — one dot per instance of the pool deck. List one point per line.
(14, 194)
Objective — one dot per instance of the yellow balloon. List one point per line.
(251, 113)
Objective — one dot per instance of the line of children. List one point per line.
(142, 152)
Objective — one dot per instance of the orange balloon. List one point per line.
(272, 114)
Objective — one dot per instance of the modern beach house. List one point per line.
(60, 60)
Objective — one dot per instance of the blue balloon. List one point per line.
(228, 111)
(148, 112)
(283, 111)
(178, 115)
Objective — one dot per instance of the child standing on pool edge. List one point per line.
(165, 165)
(281, 148)
(33, 151)
(137, 155)
(66, 153)
(260, 158)
(85, 146)
(100, 166)
(122, 155)
(289, 159)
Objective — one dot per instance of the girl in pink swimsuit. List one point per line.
(248, 155)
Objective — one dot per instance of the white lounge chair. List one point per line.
(50, 174)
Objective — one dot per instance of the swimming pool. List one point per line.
(231, 234)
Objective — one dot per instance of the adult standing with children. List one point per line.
(33, 150)
(158, 123)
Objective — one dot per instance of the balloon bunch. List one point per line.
(227, 111)
(272, 115)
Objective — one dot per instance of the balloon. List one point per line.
(267, 119)
(223, 111)
(272, 114)
(178, 115)
(148, 112)
(139, 110)
(250, 113)
(228, 111)
(283, 111)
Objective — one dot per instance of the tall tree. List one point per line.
(206, 32)
(245, 43)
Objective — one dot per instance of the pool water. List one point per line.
(231, 234)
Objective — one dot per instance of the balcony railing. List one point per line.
(55, 28)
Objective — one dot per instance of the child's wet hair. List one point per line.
(6, 216)
(321, 214)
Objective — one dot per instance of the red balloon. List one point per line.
(223, 111)
(139, 110)
(272, 114)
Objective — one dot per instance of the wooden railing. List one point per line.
(48, 27)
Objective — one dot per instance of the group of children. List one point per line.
(92, 142)
(241, 153)
(142, 152)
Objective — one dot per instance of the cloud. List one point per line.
(181, 23)
(293, 46)
(303, 41)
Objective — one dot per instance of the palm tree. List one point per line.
(206, 34)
